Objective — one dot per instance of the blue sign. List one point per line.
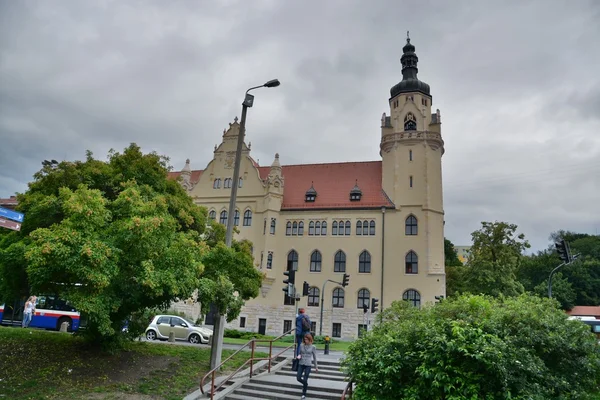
(10, 214)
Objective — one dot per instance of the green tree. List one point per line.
(229, 279)
(494, 260)
(450, 254)
(454, 270)
(582, 277)
(475, 347)
(114, 238)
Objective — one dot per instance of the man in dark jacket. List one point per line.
(302, 328)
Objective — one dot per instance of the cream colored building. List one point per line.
(381, 222)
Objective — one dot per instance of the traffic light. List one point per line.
(439, 299)
(365, 308)
(562, 248)
(305, 288)
(374, 305)
(345, 280)
(289, 288)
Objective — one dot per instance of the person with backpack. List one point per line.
(302, 328)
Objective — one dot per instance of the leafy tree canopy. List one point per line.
(494, 259)
(476, 347)
(450, 254)
(112, 237)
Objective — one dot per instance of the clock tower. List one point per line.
(411, 149)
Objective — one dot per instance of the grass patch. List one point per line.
(336, 346)
(36, 364)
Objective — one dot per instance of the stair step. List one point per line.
(268, 386)
(337, 378)
(274, 393)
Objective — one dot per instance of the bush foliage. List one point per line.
(476, 347)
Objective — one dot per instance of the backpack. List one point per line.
(305, 324)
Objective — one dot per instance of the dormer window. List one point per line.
(311, 194)
(355, 193)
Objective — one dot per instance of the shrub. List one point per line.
(476, 347)
(235, 334)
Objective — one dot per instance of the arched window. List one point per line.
(313, 297)
(223, 217)
(212, 215)
(318, 228)
(236, 218)
(273, 226)
(334, 228)
(338, 298)
(364, 262)
(270, 260)
(295, 228)
(288, 228)
(292, 260)
(217, 183)
(311, 228)
(359, 227)
(240, 182)
(348, 228)
(411, 226)
(315, 261)
(365, 230)
(413, 297)
(300, 228)
(410, 123)
(364, 297)
(339, 262)
(412, 263)
(248, 218)
(323, 228)
(372, 228)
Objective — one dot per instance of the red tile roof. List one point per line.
(582, 311)
(194, 178)
(332, 182)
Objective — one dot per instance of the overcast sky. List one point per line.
(517, 83)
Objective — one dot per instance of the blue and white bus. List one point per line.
(50, 313)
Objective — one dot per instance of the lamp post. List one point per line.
(219, 327)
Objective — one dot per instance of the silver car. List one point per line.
(162, 325)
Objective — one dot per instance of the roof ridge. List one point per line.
(330, 163)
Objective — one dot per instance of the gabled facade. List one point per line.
(381, 222)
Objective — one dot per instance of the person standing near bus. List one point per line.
(28, 311)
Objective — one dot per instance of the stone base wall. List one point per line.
(275, 316)
(189, 307)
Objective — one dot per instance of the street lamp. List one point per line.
(217, 343)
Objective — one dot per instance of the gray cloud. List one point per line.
(516, 83)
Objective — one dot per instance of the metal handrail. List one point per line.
(251, 360)
(347, 391)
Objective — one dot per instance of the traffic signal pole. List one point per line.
(564, 252)
(322, 303)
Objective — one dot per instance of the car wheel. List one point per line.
(194, 338)
(151, 335)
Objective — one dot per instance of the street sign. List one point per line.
(6, 223)
(10, 214)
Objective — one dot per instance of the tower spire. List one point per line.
(410, 82)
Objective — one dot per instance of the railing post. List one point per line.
(252, 358)
(270, 354)
(212, 386)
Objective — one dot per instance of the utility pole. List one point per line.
(219, 327)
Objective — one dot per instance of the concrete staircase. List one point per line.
(327, 384)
